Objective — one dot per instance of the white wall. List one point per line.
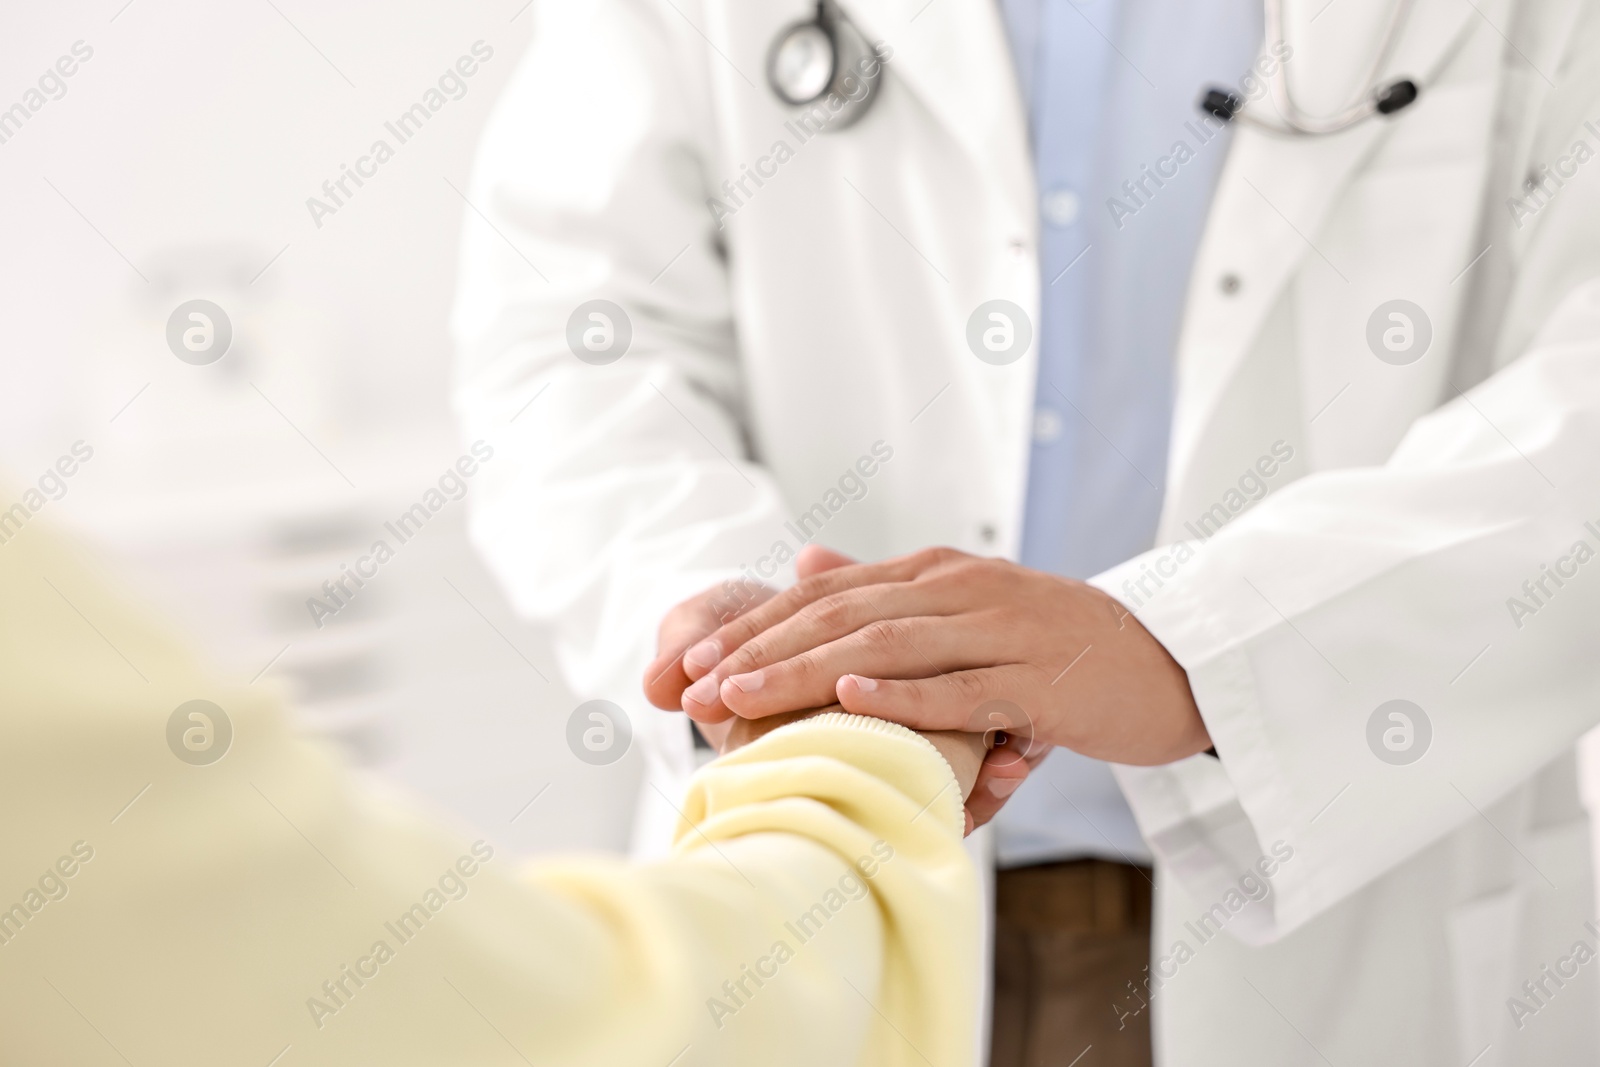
(178, 163)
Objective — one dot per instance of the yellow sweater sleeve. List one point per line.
(159, 906)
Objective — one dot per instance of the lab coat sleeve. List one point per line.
(1461, 577)
(617, 489)
(819, 907)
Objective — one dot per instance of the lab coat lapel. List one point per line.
(1275, 191)
(953, 55)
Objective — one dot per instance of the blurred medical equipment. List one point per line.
(233, 492)
(209, 506)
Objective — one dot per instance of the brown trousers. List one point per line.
(1072, 941)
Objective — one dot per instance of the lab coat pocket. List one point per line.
(1482, 934)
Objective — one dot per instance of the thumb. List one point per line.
(814, 559)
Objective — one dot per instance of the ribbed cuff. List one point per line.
(867, 724)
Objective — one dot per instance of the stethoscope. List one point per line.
(815, 57)
(823, 56)
(1375, 99)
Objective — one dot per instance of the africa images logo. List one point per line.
(599, 732)
(1399, 732)
(199, 732)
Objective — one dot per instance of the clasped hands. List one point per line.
(993, 662)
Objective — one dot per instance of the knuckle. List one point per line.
(727, 637)
(979, 567)
(964, 687)
(935, 556)
(736, 633)
(749, 655)
(831, 614)
(946, 566)
(807, 590)
(804, 669)
(882, 637)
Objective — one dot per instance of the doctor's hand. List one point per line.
(942, 640)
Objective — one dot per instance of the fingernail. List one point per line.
(866, 685)
(702, 692)
(970, 824)
(1004, 787)
(705, 655)
(749, 683)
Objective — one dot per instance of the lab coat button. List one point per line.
(1230, 284)
(1018, 247)
(1060, 207)
(987, 533)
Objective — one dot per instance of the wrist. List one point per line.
(962, 751)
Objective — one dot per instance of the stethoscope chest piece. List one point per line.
(823, 57)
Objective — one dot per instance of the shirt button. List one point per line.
(1046, 426)
(1060, 207)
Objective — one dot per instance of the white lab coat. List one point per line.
(829, 312)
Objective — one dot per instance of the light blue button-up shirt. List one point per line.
(1112, 88)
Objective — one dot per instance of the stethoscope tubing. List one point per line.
(1290, 120)
(1294, 121)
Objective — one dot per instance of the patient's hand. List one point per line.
(963, 751)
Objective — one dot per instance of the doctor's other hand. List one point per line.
(943, 640)
(1006, 765)
(693, 620)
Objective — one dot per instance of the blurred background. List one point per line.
(175, 163)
